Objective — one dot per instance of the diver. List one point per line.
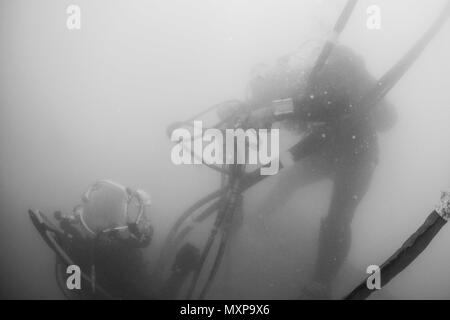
(346, 154)
(105, 236)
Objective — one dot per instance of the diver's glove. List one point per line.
(142, 236)
(187, 259)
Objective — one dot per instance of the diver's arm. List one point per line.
(139, 238)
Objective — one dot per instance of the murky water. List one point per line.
(82, 105)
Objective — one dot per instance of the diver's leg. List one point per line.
(257, 237)
(289, 180)
(351, 183)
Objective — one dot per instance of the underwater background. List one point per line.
(78, 106)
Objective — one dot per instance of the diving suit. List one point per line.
(346, 154)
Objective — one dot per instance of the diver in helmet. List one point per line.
(104, 236)
(345, 154)
(106, 232)
(109, 208)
